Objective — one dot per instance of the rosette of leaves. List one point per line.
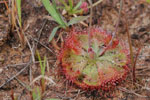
(102, 66)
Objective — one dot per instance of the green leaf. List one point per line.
(70, 4)
(53, 33)
(77, 20)
(78, 5)
(53, 12)
(148, 1)
(78, 11)
(54, 4)
(19, 11)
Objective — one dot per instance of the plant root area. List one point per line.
(20, 67)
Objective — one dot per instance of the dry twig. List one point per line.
(28, 64)
(132, 92)
(10, 79)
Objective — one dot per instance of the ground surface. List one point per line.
(15, 64)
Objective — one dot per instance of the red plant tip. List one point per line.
(86, 68)
(91, 53)
(84, 6)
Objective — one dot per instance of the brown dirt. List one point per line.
(14, 58)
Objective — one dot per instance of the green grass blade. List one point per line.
(54, 4)
(42, 65)
(39, 58)
(53, 33)
(36, 94)
(70, 4)
(53, 12)
(33, 95)
(77, 20)
(19, 11)
(63, 21)
(78, 5)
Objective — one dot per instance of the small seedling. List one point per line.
(37, 95)
(52, 9)
(42, 66)
(70, 8)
